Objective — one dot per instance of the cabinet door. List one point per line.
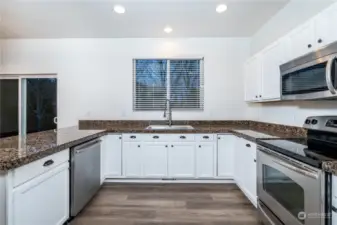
(272, 58)
(253, 78)
(113, 156)
(181, 160)
(251, 179)
(205, 160)
(132, 159)
(226, 158)
(42, 200)
(325, 26)
(302, 40)
(239, 170)
(154, 157)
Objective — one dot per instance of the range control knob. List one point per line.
(307, 121)
(314, 122)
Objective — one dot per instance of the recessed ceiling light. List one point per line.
(168, 29)
(119, 9)
(221, 8)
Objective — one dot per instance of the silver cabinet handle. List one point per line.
(296, 169)
(328, 75)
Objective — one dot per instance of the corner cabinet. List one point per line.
(225, 158)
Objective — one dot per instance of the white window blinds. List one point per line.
(179, 80)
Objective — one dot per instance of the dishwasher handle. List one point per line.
(83, 147)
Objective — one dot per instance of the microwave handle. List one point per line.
(328, 75)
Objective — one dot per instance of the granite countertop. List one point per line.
(16, 151)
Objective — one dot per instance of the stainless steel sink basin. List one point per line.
(167, 127)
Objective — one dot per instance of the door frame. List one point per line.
(22, 97)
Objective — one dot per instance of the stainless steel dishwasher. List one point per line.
(85, 173)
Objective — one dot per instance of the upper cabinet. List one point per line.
(324, 26)
(252, 78)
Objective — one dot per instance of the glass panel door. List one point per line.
(284, 190)
(9, 107)
(41, 107)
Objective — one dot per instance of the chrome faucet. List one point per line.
(169, 109)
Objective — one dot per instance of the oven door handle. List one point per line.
(328, 75)
(298, 170)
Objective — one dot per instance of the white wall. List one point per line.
(95, 75)
(293, 14)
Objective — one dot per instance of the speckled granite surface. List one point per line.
(15, 151)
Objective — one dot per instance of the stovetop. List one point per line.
(298, 149)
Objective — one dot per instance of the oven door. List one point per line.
(292, 191)
(314, 80)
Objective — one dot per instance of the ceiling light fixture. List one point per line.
(119, 9)
(221, 8)
(168, 29)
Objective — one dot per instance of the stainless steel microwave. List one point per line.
(312, 76)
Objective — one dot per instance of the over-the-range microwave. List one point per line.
(312, 76)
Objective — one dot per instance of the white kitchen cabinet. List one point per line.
(181, 160)
(245, 168)
(132, 159)
(252, 78)
(154, 159)
(2, 198)
(205, 159)
(302, 39)
(112, 156)
(325, 23)
(42, 200)
(272, 57)
(225, 156)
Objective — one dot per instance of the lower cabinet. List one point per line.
(225, 156)
(245, 168)
(42, 200)
(205, 160)
(111, 156)
(181, 160)
(132, 159)
(154, 159)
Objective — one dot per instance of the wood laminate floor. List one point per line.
(168, 204)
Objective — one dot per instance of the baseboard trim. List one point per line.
(178, 181)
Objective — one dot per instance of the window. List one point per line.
(27, 104)
(179, 80)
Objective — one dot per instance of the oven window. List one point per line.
(308, 80)
(284, 190)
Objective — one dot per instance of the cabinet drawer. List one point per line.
(156, 137)
(182, 137)
(132, 137)
(31, 170)
(204, 137)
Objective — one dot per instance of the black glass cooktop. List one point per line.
(298, 149)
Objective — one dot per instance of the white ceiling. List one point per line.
(143, 18)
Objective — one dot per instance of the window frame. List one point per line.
(168, 85)
(22, 96)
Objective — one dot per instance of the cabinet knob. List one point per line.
(219, 138)
(248, 145)
(260, 96)
(255, 96)
(254, 160)
(138, 146)
(320, 41)
(309, 45)
(120, 138)
(199, 146)
(166, 146)
(172, 146)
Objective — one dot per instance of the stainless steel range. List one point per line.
(292, 188)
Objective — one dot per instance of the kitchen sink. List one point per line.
(167, 127)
